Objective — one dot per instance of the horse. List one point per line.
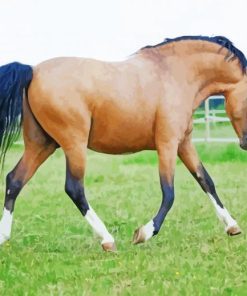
(145, 102)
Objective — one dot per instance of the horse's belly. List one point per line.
(121, 137)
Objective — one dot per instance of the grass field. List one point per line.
(53, 251)
(217, 130)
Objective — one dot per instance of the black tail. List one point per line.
(14, 81)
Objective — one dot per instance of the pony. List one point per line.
(145, 102)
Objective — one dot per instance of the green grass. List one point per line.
(217, 130)
(54, 252)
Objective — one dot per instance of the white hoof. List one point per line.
(143, 233)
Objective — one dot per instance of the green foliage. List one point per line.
(54, 252)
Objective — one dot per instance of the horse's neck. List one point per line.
(206, 68)
(215, 78)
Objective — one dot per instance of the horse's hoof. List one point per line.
(139, 236)
(233, 230)
(109, 247)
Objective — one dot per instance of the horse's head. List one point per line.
(236, 108)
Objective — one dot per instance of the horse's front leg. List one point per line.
(167, 153)
(188, 155)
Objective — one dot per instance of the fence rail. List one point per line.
(210, 116)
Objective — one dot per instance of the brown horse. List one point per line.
(145, 102)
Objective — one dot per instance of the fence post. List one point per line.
(207, 131)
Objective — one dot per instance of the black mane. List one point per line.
(221, 40)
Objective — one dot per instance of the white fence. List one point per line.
(209, 116)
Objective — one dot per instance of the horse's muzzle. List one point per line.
(243, 142)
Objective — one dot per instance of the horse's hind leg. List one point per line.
(188, 155)
(38, 146)
(32, 158)
(75, 167)
(68, 122)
